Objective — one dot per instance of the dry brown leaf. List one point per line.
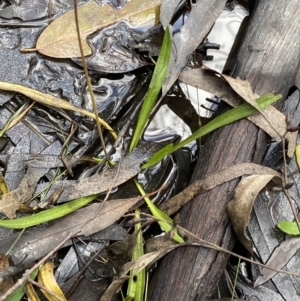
(10, 202)
(211, 181)
(52, 101)
(242, 88)
(5, 285)
(207, 80)
(59, 39)
(239, 209)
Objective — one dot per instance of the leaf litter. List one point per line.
(59, 39)
(214, 182)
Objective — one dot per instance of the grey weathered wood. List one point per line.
(269, 58)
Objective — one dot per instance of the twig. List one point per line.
(88, 81)
(42, 287)
(27, 273)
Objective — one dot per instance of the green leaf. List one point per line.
(290, 228)
(157, 80)
(136, 285)
(47, 215)
(165, 222)
(228, 117)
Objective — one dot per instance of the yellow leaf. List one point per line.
(46, 278)
(297, 153)
(59, 39)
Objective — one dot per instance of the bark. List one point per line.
(269, 59)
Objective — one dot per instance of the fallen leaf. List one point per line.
(84, 220)
(209, 182)
(137, 266)
(207, 80)
(5, 285)
(242, 88)
(239, 209)
(11, 201)
(167, 10)
(47, 279)
(129, 167)
(200, 20)
(279, 258)
(59, 39)
(52, 101)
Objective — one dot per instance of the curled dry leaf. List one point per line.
(211, 181)
(234, 91)
(59, 39)
(239, 209)
(47, 279)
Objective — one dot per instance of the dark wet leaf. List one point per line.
(110, 52)
(279, 258)
(28, 10)
(199, 23)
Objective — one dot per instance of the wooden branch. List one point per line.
(269, 58)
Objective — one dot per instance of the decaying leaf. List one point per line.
(129, 167)
(82, 221)
(200, 20)
(242, 88)
(11, 201)
(207, 80)
(59, 39)
(47, 279)
(217, 178)
(49, 100)
(279, 258)
(239, 209)
(8, 283)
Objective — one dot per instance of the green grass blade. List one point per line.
(165, 222)
(228, 117)
(47, 215)
(19, 293)
(158, 77)
(136, 285)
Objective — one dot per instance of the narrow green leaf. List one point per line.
(158, 77)
(136, 285)
(165, 222)
(290, 228)
(47, 215)
(228, 117)
(19, 293)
